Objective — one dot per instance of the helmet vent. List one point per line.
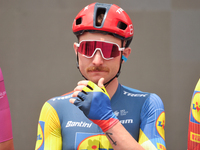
(121, 25)
(78, 21)
(100, 16)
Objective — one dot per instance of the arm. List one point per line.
(49, 130)
(152, 133)
(95, 104)
(121, 139)
(7, 145)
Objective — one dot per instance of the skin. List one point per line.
(98, 61)
(7, 145)
(111, 66)
(118, 136)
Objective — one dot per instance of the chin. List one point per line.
(95, 80)
(95, 76)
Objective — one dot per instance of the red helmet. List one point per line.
(115, 21)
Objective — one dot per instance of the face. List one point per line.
(97, 67)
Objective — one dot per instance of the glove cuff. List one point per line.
(106, 124)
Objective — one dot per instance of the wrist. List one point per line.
(112, 123)
(106, 124)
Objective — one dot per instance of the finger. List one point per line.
(83, 82)
(100, 82)
(79, 88)
(75, 94)
(72, 100)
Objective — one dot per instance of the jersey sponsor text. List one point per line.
(134, 95)
(195, 137)
(2, 94)
(78, 124)
(126, 121)
(62, 97)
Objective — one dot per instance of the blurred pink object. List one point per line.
(5, 116)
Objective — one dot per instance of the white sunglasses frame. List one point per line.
(119, 48)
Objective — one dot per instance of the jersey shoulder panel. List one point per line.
(61, 104)
(152, 133)
(49, 129)
(134, 93)
(133, 90)
(152, 104)
(55, 100)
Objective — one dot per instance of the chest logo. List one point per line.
(89, 141)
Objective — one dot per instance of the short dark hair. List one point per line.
(99, 19)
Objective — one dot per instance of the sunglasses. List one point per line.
(108, 50)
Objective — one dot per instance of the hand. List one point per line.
(94, 101)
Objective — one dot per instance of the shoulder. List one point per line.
(152, 107)
(58, 101)
(131, 92)
(151, 100)
(55, 105)
(154, 101)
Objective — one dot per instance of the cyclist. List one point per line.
(100, 113)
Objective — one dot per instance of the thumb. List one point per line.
(100, 82)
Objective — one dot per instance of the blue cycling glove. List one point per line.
(95, 104)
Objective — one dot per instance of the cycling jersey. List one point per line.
(62, 126)
(5, 116)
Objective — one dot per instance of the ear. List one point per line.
(75, 48)
(126, 52)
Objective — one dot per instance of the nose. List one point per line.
(97, 58)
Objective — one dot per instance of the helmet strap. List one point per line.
(119, 71)
(77, 65)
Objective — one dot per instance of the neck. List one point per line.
(111, 88)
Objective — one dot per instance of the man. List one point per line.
(6, 136)
(109, 115)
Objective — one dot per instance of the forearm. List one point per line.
(121, 139)
(7, 145)
(94, 101)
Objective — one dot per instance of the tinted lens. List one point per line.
(109, 50)
(86, 48)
